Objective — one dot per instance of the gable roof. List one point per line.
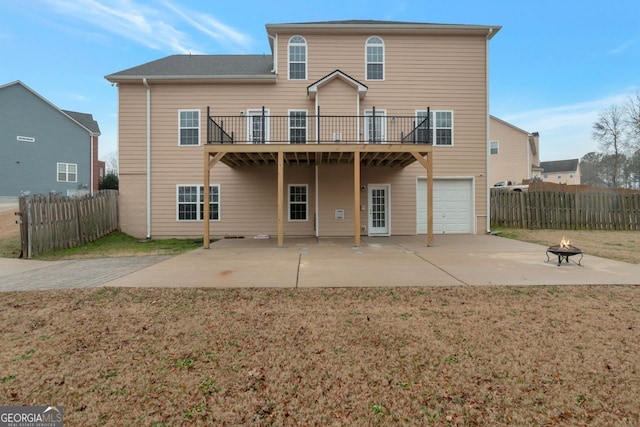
(312, 89)
(509, 124)
(560, 166)
(89, 129)
(200, 67)
(85, 120)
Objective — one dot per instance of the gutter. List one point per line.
(488, 141)
(146, 84)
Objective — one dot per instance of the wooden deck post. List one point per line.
(280, 199)
(428, 165)
(208, 165)
(356, 198)
(206, 237)
(430, 199)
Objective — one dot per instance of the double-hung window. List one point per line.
(495, 146)
(298, 202)
(189, 127)
(297, 127)
(297, 58)
(67, 172)
(441, 123)
(190, 200)
(374, 52)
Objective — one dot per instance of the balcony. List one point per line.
(259, 127)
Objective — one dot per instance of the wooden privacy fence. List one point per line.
(565, 210)
(52, 222)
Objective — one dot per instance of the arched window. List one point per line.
(297, 58)
(375, 58)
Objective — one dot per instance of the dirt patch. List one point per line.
(8, 227)
(458, 356)
(618, 245)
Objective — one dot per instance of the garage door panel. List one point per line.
(452, 206)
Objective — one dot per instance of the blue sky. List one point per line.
(554, 64)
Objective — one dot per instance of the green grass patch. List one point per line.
(10, 248)
(119, 244)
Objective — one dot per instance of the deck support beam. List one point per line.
(428, 165)
(208, 165)
(280, 199)
(356, 198)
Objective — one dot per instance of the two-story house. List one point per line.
(514, 153)
(348, 128)
(561, 171)
(44, 149)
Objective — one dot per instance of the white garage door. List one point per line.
(452, 206)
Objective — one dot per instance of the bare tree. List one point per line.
(609, 131)
(632, 110)
(111, 160)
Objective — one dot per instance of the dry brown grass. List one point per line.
(441, 356)
(618, 245)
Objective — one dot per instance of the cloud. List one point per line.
(565, 130)
(624, 46)
(153, 27)
(211, 27)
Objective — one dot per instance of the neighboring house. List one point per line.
(44, 149)
(514, 153)
(336, 133)
(561, 171)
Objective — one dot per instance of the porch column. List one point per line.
(208, 165)
(206, 236)
(280, 199)
(428, 165)
(356, 198)
(430, 199)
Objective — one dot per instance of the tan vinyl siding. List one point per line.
(337, 98)
(512, 163)
(132, 129)
(335, 191)
(444, 73)
(132, 204)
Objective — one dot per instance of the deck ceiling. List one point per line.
(374, 155)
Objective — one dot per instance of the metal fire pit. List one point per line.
(564, 253)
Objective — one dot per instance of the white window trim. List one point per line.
(379, 113)
(306, 203)
(306, 127)
(306, 56)
(258, 112)
(366, 62)
(198, 202)
(66, 168)
(497, 142)
(180, 111)
(432, 123)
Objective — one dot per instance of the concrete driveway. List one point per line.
(308, 263)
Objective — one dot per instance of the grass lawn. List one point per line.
(440, 356)
(120, 244)
(411, 356)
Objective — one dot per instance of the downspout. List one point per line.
(275, 52)
(146, 84)
(488, 143)
(91, 161)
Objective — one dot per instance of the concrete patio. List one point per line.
(455, 260)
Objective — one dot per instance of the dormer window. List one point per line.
(375, 58)
(297, 58)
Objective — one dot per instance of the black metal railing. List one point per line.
(259, 127)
